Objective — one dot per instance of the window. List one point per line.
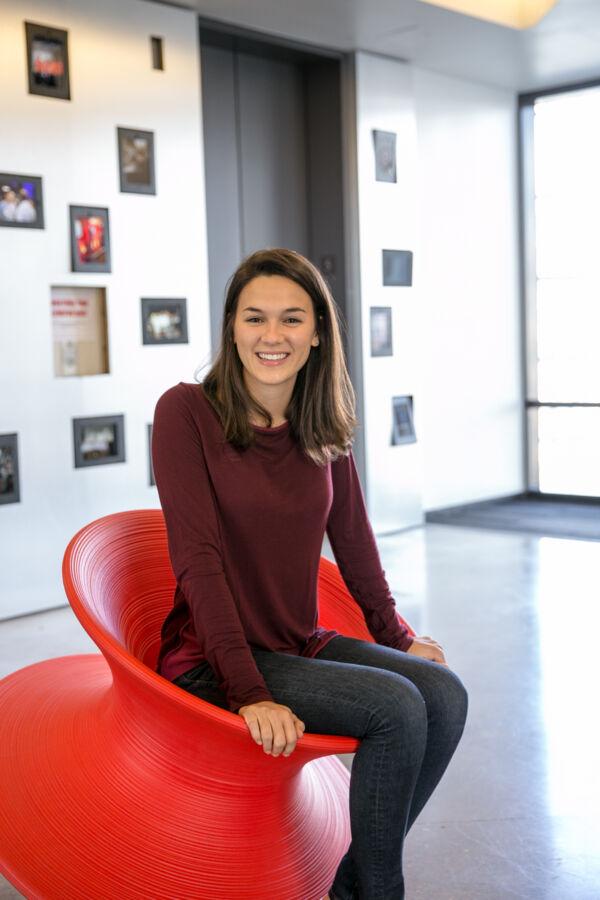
(561, 204)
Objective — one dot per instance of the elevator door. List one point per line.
(254, 125)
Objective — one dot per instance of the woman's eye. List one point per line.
(256, 318)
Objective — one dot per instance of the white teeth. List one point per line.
(272, 355)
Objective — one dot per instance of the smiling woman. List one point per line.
(274, 330)
(281, 357)
(246, 507)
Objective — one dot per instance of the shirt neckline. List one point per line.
(264, 429)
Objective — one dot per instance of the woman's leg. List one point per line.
(389, 715)
(446, 701)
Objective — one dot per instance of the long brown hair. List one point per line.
(321, 410)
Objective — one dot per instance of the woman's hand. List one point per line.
(273, 725)
(426, 647)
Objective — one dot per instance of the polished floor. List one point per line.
(517, 813)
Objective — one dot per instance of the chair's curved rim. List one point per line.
(111, 647)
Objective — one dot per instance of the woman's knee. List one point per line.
(450, 693)
(399, 704)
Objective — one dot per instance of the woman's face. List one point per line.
(275, 316)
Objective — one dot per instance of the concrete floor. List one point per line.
(517, 813)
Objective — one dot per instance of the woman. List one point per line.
(252, 466)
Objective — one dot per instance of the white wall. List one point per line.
(466, 273)
(384, 101)
(456, 331)
(158, 250)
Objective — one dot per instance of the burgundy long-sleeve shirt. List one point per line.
(245, 532)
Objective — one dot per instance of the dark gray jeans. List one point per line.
(409, 714)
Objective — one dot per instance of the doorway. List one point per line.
(272, 122)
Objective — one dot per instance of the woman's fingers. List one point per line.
(273, 725)
(439, 657)
(290, 735)
(284, 733)
(251, 720)
(425, 646)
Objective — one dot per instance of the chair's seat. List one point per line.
(90, 809)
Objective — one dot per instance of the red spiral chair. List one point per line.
(116, 784)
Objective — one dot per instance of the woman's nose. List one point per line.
(273, 331)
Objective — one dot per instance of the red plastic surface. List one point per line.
(115, 784)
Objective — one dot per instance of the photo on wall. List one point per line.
(79, 330)
(90, 239)
(381, 331)
(403, 429)
(21, 201)
(164, 321)
(47, 61)
(151, 480)
(99, 440)
(384, 143)
(397, 267)
(10, 491)
(136, 161)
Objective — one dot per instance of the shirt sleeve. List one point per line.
(353, 543)
(194, 544)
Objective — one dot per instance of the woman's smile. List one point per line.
(272, 359)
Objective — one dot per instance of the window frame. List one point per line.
(528, 287)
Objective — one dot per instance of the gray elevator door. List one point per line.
(254, 122)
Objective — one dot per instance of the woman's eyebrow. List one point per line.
(288, 310)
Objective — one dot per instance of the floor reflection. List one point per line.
(517, 813)
(567, 600)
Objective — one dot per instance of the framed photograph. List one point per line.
(397, 267)
(384, 143)
(136, 161)
(403, 429)
(151, 480)
(381, 331)
(47, 61)
(9, 469)
(79, 330)
(99, 440)
(164, 321)
(90, 239)
(21, 203)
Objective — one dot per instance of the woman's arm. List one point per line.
(355, 550)
(195, 549)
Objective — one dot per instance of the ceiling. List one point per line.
(562, 49)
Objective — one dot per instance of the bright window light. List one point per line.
(512, 13)
(566, 141)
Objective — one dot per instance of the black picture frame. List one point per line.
(397, 268)
(18, 195)
(98, 440)
(90, 252)
(384, 145)
(164, 321)
(10, 486)
(47, 61)
(381, 331)
(136, 161)
(151, 479)
(403, 426)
